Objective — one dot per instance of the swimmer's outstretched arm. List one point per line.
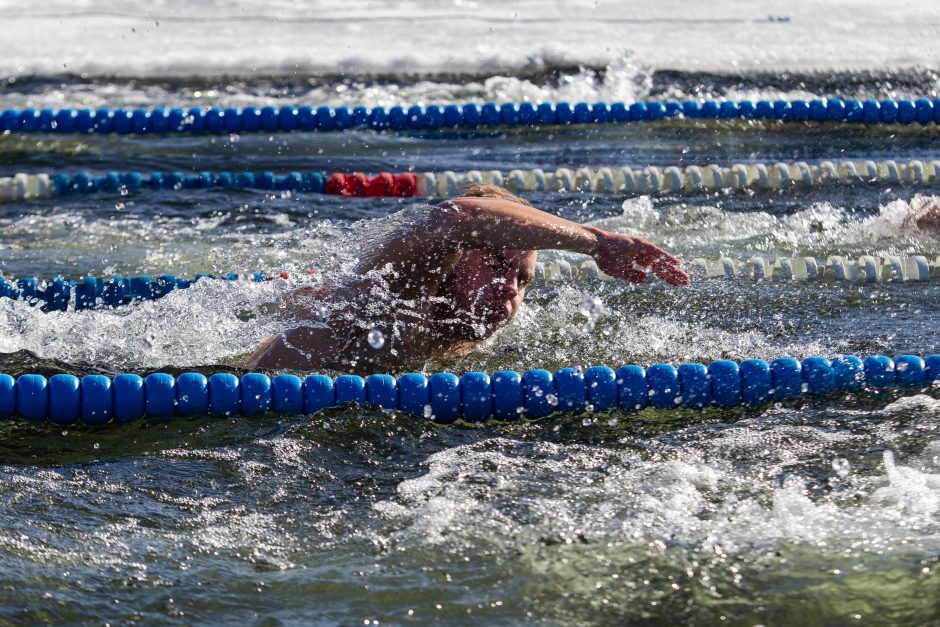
(473, 223)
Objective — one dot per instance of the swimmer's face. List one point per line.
(490, 285)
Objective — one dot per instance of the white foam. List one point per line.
(192, 327)
(708, 230)
(174, 38)
(693, 495)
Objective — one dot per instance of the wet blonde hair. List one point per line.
(485, 190)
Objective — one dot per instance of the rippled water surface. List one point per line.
(822, 512)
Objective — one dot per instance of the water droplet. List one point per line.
(587, 422)
(841, 467)
(428, 412)
(591, 307)
(551, 399)
(376, 339)
(612, 422)
(96, 446)
(323, 312)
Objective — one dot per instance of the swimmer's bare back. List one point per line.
(421, 265)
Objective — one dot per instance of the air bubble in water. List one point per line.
(376, 339)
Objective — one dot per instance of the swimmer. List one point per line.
(441, 279)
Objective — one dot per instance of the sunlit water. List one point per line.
(802, 513)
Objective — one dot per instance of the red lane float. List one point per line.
(380, 185)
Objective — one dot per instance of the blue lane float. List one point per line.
(475, 397)
(289, 118)
(64, 184)
(96, 292)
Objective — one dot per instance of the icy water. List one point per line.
(822, 512)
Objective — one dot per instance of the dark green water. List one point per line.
(824, 512)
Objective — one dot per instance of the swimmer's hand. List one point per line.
(617, 255)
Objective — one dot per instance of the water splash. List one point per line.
(820, 227)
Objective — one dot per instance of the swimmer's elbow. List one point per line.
(444, 227)
(455, 223)
(447, 215)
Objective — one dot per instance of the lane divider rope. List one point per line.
(865, 268)
(475, 397)
(624, 180)
(289, 118)
(89, 292)
(689, 179)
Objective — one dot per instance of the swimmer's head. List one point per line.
(488, 285)
(485, 190)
